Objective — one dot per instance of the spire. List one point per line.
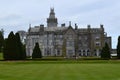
(76, 27)
(69, 23)
(52, 10)
(52, 20)
(29, 25)
(52, 13)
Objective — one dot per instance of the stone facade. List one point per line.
(66, 41)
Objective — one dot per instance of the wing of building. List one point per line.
(65, 40)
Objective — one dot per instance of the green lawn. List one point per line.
(1, 56)
(51, 70)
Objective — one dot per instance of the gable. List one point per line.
(70, 32)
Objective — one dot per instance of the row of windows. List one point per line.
(85, 37)
(97, 43)
(49, 52)
(53, 43)
(59, 36)
(68, 36)
(69, 43)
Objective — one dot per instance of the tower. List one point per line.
(52, 20)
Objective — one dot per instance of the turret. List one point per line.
(52, 20)
(76, 27)
(102, 27)
(41, 28)
(29, 28)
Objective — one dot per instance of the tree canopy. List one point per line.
(36, 52)
(105, 53)
(13, 48)
(1, 41)
(118, 48)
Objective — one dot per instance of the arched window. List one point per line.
(58, 52)
(79, 52)
(95, 53)
(84, 53)
(88, 52)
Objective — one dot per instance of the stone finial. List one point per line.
(29, 25)
(76, 27)
(88, 25)
(63, 25)
(52, 10)
(69, 23)
(101, 25)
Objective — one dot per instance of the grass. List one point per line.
(50, 68)
(60, 70)
(1, 56)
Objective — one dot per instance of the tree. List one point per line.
(118, 48)
(1, 41)
(24, 51)
(13, 48)
(2, 31)
(9, 47)
(36, 52)
(105, 53)
(20, 48)
(76, 47)
(64, 48)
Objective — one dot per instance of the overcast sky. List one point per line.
(18, 14)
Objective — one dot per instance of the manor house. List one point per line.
(65, 40)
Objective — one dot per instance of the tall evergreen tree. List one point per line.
(2, 31)
(118, 48)
(105, 53)
(36, 52)
(64, 48)
(9, 48)
(24, 51)
(13, 49)
(19, 48)
(1, 41)
(76, 47)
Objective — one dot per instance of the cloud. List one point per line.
(10, 18)
(17, 14)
